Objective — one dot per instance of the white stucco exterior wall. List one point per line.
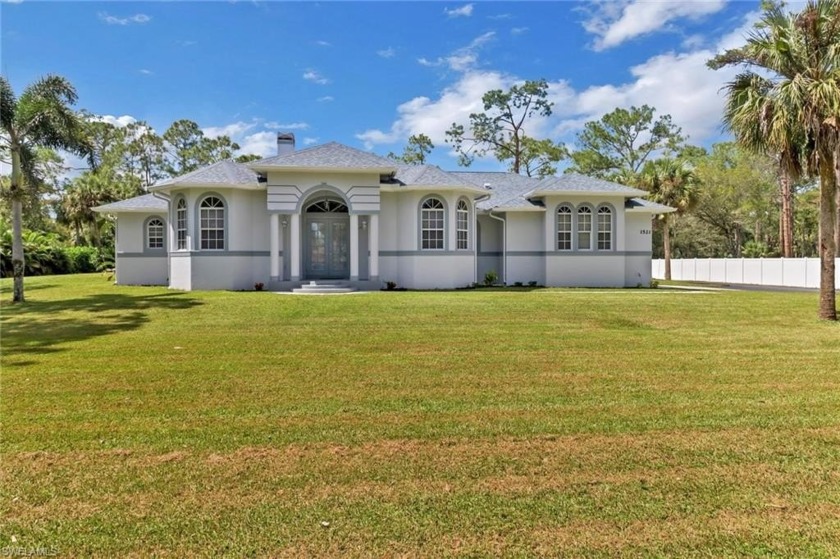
(137, 264)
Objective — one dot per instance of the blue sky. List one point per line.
(371, 74)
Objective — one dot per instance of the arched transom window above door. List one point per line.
(327, 205)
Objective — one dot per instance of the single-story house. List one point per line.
(332, 212)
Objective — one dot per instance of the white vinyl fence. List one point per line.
(788, 272)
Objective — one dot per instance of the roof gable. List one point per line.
(429, 175)
(331, 155)
(227, 173)
(147, 203)
(573, 182)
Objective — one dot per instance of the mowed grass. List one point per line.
(543, 423)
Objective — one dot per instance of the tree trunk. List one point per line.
(666, 245)
(828, 217)
(837, 201)
(17, 228)
(787, 213)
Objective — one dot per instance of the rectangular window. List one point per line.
(212, 229)
(584, 231)
(604, 231)
(564, 231)
(463, 229)
(432, 230)
(181, 227)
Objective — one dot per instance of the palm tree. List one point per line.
(40, 117)
(791, 106)
(673, 183)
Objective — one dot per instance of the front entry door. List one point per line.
(327, 246)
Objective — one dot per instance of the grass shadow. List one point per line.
(38, 327)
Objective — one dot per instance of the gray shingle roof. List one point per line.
(222, 173)
(509, 190)
(429, 175)
(145, 203)
(506, 189)
(326, 156)
(647, 205)
(573, 182)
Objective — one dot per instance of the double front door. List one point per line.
(327, 246)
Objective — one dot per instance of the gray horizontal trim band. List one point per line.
(425, 253)
(186, 253)
(564, 253)
(141, 255)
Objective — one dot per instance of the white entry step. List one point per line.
(323, 288)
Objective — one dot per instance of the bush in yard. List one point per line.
(82, 260)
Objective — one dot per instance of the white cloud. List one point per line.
(518, 30)
(315, 77)
(114, 20)
(235, 130)
(290, 126)
(675, 83)
(118, 121)
(498, 17)
(323, 43)
(390, 52)
(679, 84)
(248, 135)
(145, 72)
(434, 117)
(310, 141)
(464, 11)
(613, 23)
(259, 143)
(325, 99)
(463, 58)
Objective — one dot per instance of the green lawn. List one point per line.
(551, 423)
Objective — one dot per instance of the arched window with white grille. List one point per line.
(432, 224)
(462, 214)
(564, 227)
(605, 228)
(212, 223)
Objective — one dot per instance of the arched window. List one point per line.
(154, 233)
(564, 227)
(584, 228)
(181, 225)
(212, 223)
(432, 230)
(327, 205)
(604, 228)
(463, 225)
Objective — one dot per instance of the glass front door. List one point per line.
(327, 246)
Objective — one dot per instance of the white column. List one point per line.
(354, 247)
(373, 246)
(274, 245)
(280, 272)
(294, 247)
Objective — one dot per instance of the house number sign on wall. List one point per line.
(645, 231)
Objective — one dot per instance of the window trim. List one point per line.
(197, 225)
(146, 237)
(181, 198)
(458, 212)
(572, 213)
(420, 210)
